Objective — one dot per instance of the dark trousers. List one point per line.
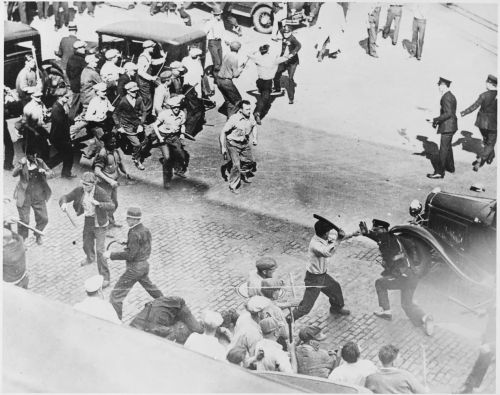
(264, 100)
(146, 91)
(95, 234)
(175, 157)
(446, 161)
(75, 105)
(136, 272)
(23, 14)
(290, 69)
(230, 93)
(8, 148)
(418, 36)
(407, 286)
(479, 369)
(393, 14)
(61, 17)
(64, 154)
(39, 207)
(241, 159)
(215, 49)
(489, 141)
(329, 287)
(113, 194)
(42, 8)
(85, 4)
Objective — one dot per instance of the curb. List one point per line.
(470, 15)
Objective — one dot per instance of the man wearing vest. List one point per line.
(145, 80)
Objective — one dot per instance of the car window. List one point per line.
(17, 49)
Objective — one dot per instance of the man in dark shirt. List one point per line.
(486, 121)
(447, 126)
(398, 274)
(76, 64)
(289, 48)
(136, 255)
(130, 70)
(66, 45)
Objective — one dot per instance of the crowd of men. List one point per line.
(127, 109)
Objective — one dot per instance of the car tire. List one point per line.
(263, 19)
(424, 261)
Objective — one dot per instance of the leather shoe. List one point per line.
(383, 314)
(138, 164)
(235, 191)
(290, 102)
(245, 179)
(341, 311)
(475, 167)
(434, 175)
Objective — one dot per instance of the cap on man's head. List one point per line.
(28, 57)
(37, 93)
(72, 26)
(311, 333)
(79, 44)
(165, 75)
(377, 223)
(195, 51)
(130, 66)
(212, 318)
(264, 49)
(216, 10)
(91, 58)
(175, 101)
(100, 87)
(322, 225)
(268, 325)
(257, 303)
(177, 65)
(111, 53)
(286, 29)
(134, 212)
(131, 86)
(89, 178)
(61, 91)
(235, 45)
(94, 283)
(491, 79)
(444, 81)
(266, 263)
(148, 44)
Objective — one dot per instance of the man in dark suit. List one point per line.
(447, 126)
(61, 14)
(289, 48)
(136, 255)
(94, 203)
(74, 68)
(59, 135)
(66, 45)
(486, 121)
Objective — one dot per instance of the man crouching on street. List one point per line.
(235, 143)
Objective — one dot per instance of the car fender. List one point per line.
(481, 279)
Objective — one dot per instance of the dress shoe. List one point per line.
(181, 174)
(434, 175)
(257, 118)
(465, 389)
(373, 55)
(86, 262)
(235, 191)
(105, 284)
(245, 179)
(428, 325)
(476, 167)
(290, 102)
(138, 164)
(385, 314)
(341, 311)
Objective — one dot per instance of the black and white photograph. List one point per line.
(249, 197)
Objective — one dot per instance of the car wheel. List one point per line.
(263, 20)
(422, 259)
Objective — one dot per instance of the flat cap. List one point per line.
(286, 29)
(444, 81)
(89, 178)
(148, 44)
(212, 318)
(165, 75)
(79, 44)
(257, 303)
(311, 333)
(130, 66)
(266, 263)
(91, 58)
(216, 10)
(61, 91)
(492, 79)
(195, 51)
(177, 65)
(100, 87)
(94, 283)
(235, 45)
(131, 86)
(175, 101)
(268, 325)
(111, 53)
(377, 223)
(37, 93)
(134, 212)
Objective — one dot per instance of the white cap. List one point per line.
(91, 58)
(94, 283)
(195, 51)
(257, 303)
(100, 87)
(212, 318)
(130, 66)
(111, 53)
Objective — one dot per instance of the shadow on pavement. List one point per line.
(469, 143)
(430, 150)
(255, 93)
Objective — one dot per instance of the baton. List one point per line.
(27, 226)
(70, 219)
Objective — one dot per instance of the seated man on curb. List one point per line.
(207, 343)
(391, 380)
(95, 304)
(354, 371)
(311, 360)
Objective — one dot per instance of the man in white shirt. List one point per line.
(207, 343)
(194, 73)
(95, 304)
(110, 71)
(354, 371)
(145, 79)
(215, 33)
(321, 249)
(269, 354)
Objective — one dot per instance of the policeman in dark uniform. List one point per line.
(289, 48)
(398, 274)
(447, 126)
(136, 255)
(486, 121)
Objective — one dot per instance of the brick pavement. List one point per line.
(203, 251)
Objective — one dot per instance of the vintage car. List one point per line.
(128, 36)
(458, 230)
